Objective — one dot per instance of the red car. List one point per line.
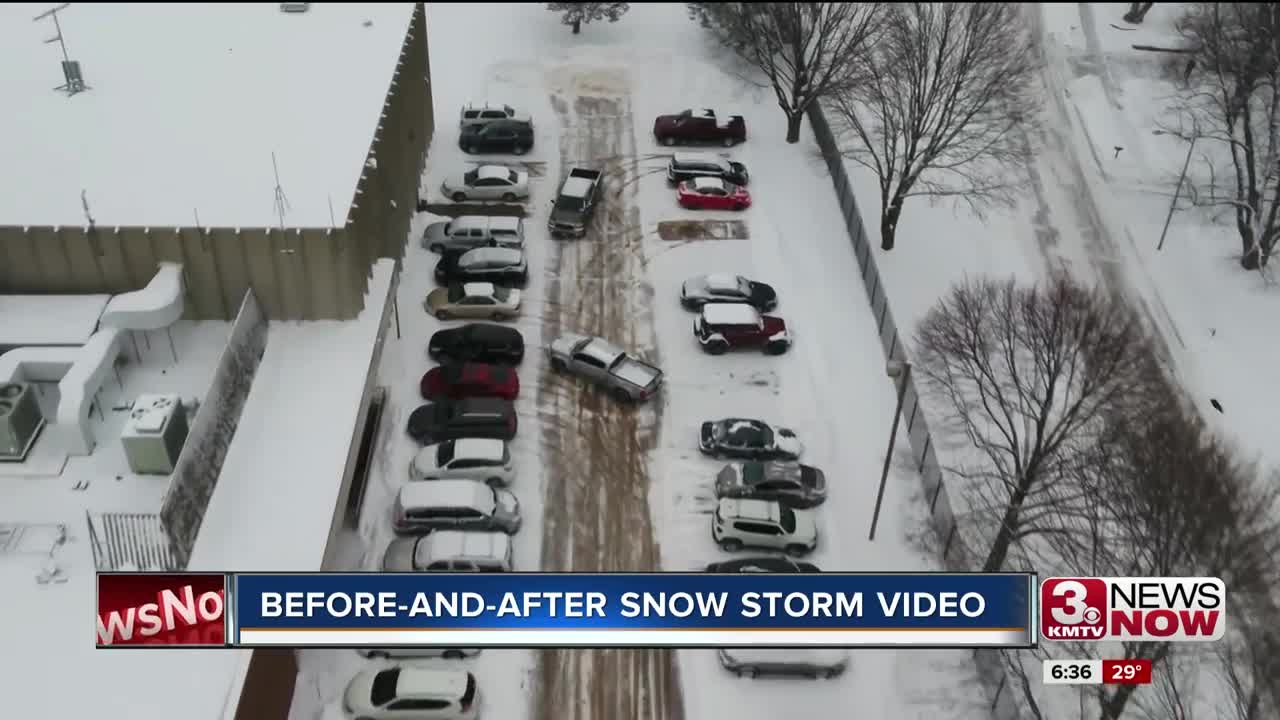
(470, 380)
(712, 193)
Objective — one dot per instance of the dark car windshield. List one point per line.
(384, 687)
(571, 204)
(444, 454)
(512, 176)
(471, 177)
(752, 473)
(787, 519)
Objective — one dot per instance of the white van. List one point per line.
(467, 232)
(450, 551)
(454, 505)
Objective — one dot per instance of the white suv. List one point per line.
(403, 692)
(485, 113)
(740, 523)
(465, 459)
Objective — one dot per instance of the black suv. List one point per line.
(762, 564)
(477, 342)
(499, 136)
(687, 166)
(468, 418)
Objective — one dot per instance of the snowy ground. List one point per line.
(626, 489)
(192, 100)
(1100, 214)
(51, 621)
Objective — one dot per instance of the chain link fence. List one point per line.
(953, 553)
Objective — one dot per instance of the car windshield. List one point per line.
(384, 687)
(787, 519)
(752, 473)
(512, 176)
(456, 293)
(572, 204)
(444, 454)
(501, 294)
(471, 177)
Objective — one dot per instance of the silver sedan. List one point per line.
(487, 182)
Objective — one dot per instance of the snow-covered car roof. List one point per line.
(493, 171)
(491, 254)
(480, 449)
(730, 314)
(721, 282)
(478, 289)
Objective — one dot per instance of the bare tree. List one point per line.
(1237, 104)
(947, 85)
(804, 50)
(1023, 374)
(1181, 504)
(574, 14)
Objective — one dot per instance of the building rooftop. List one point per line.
(187, 103)
(286, 460)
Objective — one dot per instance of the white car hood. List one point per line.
(456, 182)
(424, 463)
(787, 442)
(358, 692)
(806, 526)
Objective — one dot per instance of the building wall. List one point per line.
(296, 273)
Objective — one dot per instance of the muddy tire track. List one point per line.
(596, 502)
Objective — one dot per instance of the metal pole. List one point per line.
(888, 456)
(1176, 194)
(395, 309)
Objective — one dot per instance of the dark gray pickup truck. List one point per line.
(572, 209)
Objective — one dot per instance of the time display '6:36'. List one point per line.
(1073, 672)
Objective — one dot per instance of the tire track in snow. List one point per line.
(597, 515)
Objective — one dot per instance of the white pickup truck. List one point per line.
(627, 378)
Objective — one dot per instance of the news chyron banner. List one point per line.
(569, 610)
(566, 610)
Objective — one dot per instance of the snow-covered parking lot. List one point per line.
(607, 487)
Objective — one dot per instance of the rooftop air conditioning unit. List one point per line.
(20, 420)
(154, 434)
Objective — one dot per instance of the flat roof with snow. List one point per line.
(187, 103)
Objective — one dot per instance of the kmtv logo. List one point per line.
(1138, 609)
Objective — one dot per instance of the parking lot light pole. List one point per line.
(900, 370)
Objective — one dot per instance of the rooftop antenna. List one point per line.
(70, 68)
(84, 203)
(332, 220)
(282, 202)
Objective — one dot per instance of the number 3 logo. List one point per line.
(1074, 610)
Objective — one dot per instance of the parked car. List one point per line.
(575, 204)
(404, 692)
(748, 439)
(482, 459)
(626, 378)
(477, 342)
(721, 327)
(466, 380)
(726, 288)
(802, 662)
(487, 182)
(422, 507)
(466, 232)
(484, 113)
(687, 166)
(709, 193)
(699, 126)
(739, 524)
(499, 136)
(500, 265)
(450, 551)
(766, 564)
(395, 653)
(467, 418)
(788, 482)
(473, 300)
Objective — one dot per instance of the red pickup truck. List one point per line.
(700, 126)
